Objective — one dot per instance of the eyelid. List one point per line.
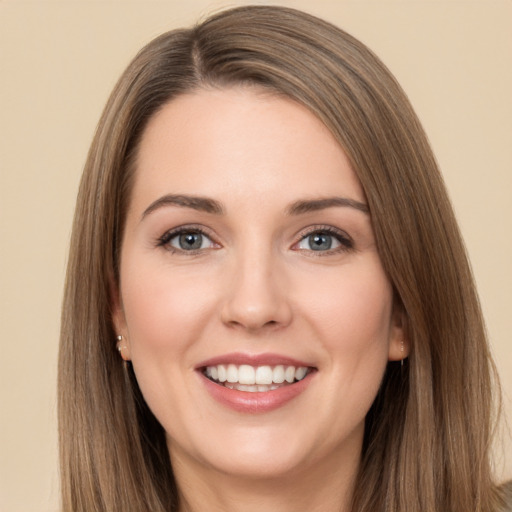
(345, 240)
(163, 240)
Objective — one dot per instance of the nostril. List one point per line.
(252, 326)
(255, 300)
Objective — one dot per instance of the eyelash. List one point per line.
(165, 239)
(346, 243)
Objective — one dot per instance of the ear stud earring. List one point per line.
(119, 346)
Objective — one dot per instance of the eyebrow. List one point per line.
(313, 205)
(202, 204)
(207, 205)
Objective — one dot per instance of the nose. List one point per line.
(256, 295)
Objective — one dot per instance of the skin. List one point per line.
(255, 286)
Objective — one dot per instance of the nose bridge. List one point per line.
(256, 297)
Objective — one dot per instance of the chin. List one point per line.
(259, 466)
(258, 452)
(266, 452)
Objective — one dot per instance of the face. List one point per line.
(252, 300)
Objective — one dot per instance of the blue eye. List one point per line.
(325, 240)
(319, 242)
(186, 240)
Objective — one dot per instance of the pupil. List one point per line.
(191, 241)
(320, 242)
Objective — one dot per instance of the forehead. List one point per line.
(222, 142)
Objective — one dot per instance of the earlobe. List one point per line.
(123, 348)
(119, 323)
(398, 349)
(399, 346)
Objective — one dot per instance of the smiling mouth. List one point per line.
(255, 379)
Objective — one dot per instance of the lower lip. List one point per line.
(256, 402)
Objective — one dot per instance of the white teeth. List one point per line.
(289, 374)
(255, 378)
(264, 375)
(243, 387)
(278, 374)
(300, 372)
(222, 373)
(232, 373)
(246, 374)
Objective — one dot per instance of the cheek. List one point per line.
(166, 313)
(164, 308)
(353, 320)
(353, 317)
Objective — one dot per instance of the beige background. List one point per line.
(58, 62)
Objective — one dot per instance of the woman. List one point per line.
(268, 303)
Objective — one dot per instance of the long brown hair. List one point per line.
(428, 433)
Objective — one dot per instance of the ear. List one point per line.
(119, 322)
(399, 345)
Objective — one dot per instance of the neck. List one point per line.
(324, 486)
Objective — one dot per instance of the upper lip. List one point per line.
(265, 359)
